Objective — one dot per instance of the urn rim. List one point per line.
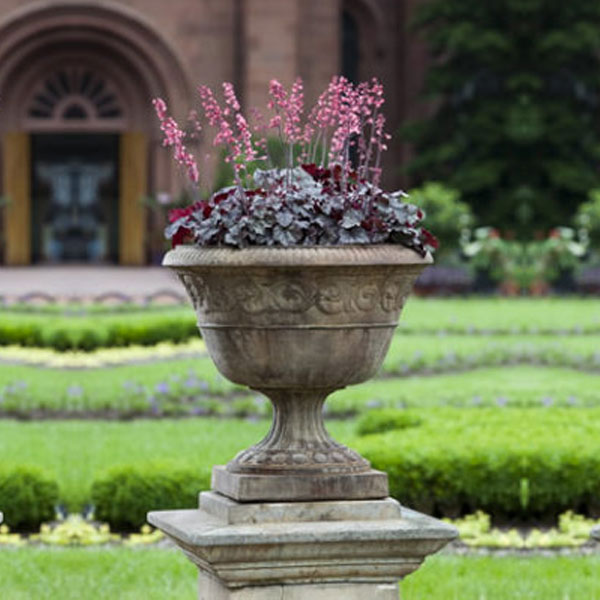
(185, 255)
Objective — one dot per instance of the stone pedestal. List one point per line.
(596, 533)
(349, 549)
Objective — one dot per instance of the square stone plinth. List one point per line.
(235, 513)
(302, 550)
(291, 488)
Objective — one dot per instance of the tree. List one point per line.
(515, 124)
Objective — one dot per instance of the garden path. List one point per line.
(81, 283)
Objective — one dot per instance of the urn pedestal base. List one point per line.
(251, 487)
(351, 549)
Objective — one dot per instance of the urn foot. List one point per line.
(298, 459)
(254, 487)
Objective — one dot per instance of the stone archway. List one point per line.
(69, 68)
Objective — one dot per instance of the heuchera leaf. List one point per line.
(302, 207)
(285, 218)
(352, 218)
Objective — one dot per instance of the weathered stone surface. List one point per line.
(297, 324)
(293, 487)
(235, 513)
(596, 533)
(310, 552)
(211, 589)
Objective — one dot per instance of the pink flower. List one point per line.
(230, 97)
(174, 137)
(345, 129)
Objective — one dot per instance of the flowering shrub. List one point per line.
(327, 193)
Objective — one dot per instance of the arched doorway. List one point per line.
(75, 115)
(78, 132)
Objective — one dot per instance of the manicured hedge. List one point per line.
(27, 497)
(386, 419)
(509, 463)
(124, 495)
(91, 332)
(455, 462)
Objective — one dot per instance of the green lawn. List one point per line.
(126, 389)
(522, 578)
(132, 574)
(504, 314)
(523, 385)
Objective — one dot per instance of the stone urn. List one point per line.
(297, 324)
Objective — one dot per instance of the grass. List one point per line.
(521, 385)
(103, 388)
(522, 578)
(512, 315)
(138, 574)
(110, 388)
(446, 352)
(75, 452)
(96, 574)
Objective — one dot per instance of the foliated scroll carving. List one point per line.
(330, 295)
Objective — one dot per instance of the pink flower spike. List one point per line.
(160, 106)
(174, 137)
(230, 97)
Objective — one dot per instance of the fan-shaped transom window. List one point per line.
(75, 94)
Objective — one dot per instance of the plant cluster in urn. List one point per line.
(298, 274)
(327, 194)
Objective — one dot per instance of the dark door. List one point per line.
(75, 193)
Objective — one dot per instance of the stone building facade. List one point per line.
(80, 146)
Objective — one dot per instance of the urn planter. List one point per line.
(298, 515)
(297, 324)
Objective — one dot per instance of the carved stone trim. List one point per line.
(330, 294)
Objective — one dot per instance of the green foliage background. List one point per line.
(515, 85)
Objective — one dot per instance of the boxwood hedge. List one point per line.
(514, 463)
(87, 333)
(27, 497)
(124, 495)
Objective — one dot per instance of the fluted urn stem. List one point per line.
(298, 441)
